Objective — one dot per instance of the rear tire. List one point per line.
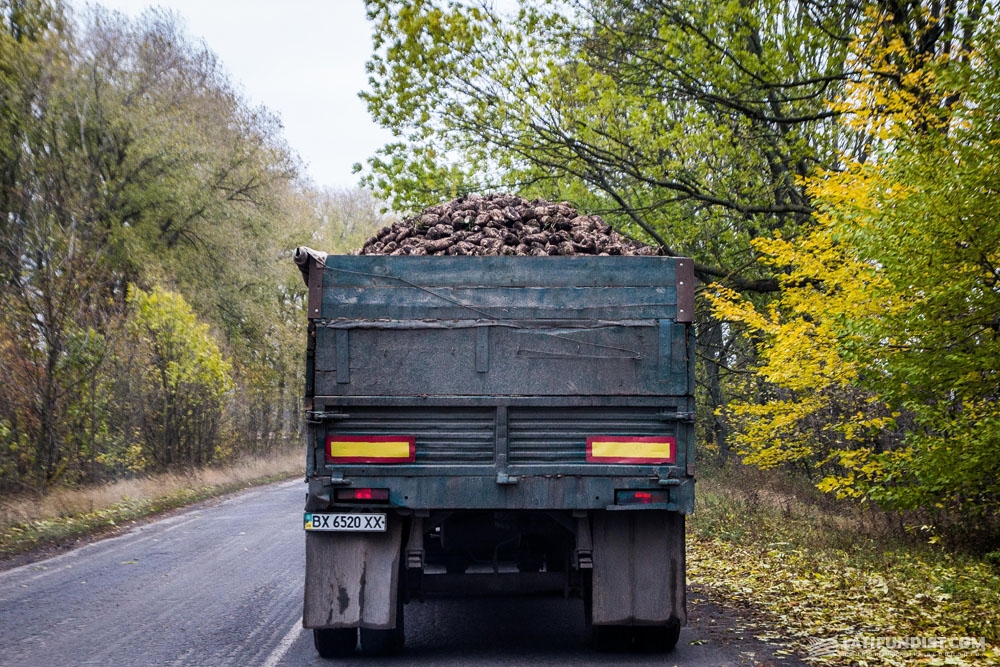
(386, 642)
(611, 638)
(657, 638)
(603, 638)
(378, 642)
(335, 642)
(381, 642)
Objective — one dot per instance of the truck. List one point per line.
(497, 425)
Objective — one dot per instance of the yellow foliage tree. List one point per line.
(815, 407)
(881, 356)
(183, 380)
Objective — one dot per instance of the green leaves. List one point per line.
(128, 157)
(686, 124)
(183, 350)
(929, 224)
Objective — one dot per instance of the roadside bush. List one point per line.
(183, 381)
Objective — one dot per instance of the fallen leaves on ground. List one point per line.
(869, 605)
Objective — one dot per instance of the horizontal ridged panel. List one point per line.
(443, 436)
(549, 435)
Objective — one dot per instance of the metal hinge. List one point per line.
(319, 416)
(686, 417)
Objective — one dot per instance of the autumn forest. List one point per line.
(832, 167)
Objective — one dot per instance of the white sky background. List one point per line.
(303, 59)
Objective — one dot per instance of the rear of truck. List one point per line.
(497, 425)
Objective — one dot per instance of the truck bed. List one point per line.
(500, 369)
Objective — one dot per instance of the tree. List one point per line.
(127, 157)
(893, 296)
(183, 381)
(808, 401)
(52, 261)
(686, 124)
(206, 202)
(347, 218)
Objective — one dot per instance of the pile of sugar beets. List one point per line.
(502, 224)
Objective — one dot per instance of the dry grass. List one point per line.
(29, 522)
(68, 502)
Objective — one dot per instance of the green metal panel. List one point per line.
(498, 288)
(470, 358)
(500, 368)
(432, 272)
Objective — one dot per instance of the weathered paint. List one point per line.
(638, 568)
(500, 370)
(503, 367)
(352, 579)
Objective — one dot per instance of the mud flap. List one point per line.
(352, 579)
(639, 568)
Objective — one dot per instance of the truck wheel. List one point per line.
(611, 638)
(657, 638)
(335, 642)
(381, 642)
(385, 642)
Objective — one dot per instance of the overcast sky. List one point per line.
(304, 59)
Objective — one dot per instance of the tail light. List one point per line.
(362, 495)
(642, 497)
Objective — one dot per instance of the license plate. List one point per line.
(346, 522)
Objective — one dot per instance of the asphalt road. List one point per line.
(221, 584)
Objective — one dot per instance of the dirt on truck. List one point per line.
(500, 400)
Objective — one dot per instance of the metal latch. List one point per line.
(505, 479)
(320, 416)
(683, 416)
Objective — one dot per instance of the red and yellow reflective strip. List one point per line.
(370, 448)
(631, 449)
